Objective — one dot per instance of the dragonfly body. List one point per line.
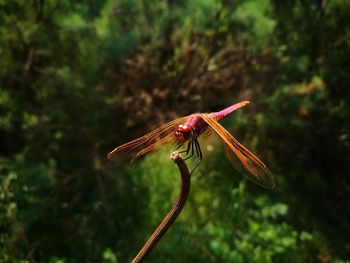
(195, 125)
(189, 130)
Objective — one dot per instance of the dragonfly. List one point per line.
(191, 130)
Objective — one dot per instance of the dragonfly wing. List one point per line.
(240, 157)
(147, 143)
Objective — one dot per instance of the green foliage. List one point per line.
(254, 17)
(78, 78)
(109, 256)
(235, 226)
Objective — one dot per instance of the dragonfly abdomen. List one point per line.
(220, 114)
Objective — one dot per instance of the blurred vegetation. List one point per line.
(80, 77)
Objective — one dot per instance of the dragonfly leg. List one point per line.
(198, 149)
(180, 144)
(199, 156)
(191, 144)
(188, 148)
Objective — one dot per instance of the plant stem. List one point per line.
(174, 211)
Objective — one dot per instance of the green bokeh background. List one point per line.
(78, 78)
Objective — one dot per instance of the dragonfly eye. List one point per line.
(183, 132)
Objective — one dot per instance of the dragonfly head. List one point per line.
(183, 132)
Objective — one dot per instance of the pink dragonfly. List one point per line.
(190, 130)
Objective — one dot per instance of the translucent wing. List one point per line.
(147, 143)
(240, 157)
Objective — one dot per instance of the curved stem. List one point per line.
(174, 211)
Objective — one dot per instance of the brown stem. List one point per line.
(174, 211)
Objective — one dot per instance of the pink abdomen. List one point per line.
(220, 114)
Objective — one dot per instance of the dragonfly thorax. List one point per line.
(183, 132)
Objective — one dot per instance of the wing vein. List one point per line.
(240, 157)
